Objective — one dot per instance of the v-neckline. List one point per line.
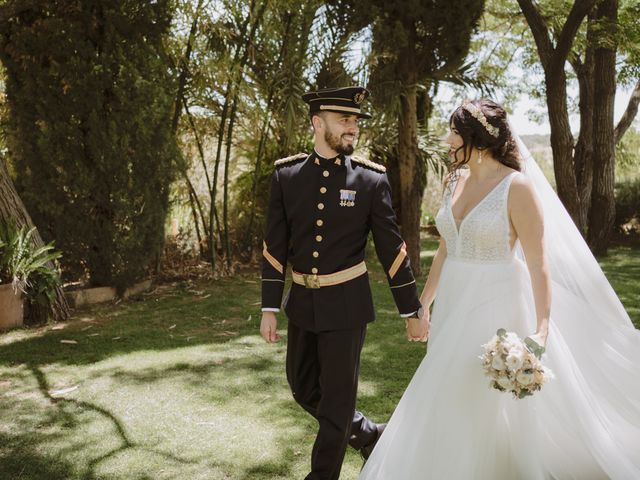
(459, 227)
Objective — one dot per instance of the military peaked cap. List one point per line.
(341, 100)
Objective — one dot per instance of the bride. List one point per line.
(510, 257)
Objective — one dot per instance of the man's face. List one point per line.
(340, 131)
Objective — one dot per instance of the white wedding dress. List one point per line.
(449, 425)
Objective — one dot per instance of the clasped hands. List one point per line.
(418, 328)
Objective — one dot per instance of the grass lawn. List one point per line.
(179, 385)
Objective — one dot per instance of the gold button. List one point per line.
(323, 189)
(316, 254)
(314, 270)
(325, 173)
(318, 238)
(320, 206)
(319, 222)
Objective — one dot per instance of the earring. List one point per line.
(479, 160)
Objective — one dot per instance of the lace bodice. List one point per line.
(483, 234)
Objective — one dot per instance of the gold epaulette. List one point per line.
(282, 161)
(368, 163)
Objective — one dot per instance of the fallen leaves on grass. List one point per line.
(226, 333)
(63, 391)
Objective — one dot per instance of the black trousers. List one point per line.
(322, 371)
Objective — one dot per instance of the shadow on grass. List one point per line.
(255, 375)
(21, 460)
(67, 419)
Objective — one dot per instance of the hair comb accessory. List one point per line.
(478, 115)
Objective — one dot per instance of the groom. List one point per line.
(321, 210)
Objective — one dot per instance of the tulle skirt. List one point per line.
(449, 425)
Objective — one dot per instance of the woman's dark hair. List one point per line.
(474, 134)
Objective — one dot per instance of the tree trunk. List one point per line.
(238, 64)
(184, 69)
(562, 145)
(602, 211)
(409, 169)
(553, 59)
(194, 213)
(583, 156)
(225, 196)
(12, 210)
(206, 226)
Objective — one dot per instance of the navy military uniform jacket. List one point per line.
(319, 217)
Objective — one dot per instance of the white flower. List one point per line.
(525, 378)
(491, 344)
(512, 367)
(498, 363)
(511, 341)
(505, 382)
(515, 359)
(538, 376)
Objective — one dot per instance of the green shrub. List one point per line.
(90, 98)
(29, 269)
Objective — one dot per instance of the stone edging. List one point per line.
(90, 296)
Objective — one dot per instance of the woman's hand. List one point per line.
(418, 328)
(540, 337)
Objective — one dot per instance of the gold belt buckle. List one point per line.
(311, 281)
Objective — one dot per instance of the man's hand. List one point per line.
(268, 327)
(418, 328)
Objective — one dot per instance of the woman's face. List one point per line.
(454, 140)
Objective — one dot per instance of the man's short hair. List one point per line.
(316, 114)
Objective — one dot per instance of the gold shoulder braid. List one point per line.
(282, 161)
(368, 163)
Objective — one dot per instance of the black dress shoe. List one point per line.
(365, 451)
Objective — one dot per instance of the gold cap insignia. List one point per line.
(359, 97)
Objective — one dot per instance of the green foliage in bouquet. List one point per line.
(534, 347)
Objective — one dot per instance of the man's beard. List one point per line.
(335, 143)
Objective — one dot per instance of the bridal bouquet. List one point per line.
(514, 365)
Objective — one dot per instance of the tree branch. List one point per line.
(629, 114)
(576, 62)
(579, 10)
(539, 30)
